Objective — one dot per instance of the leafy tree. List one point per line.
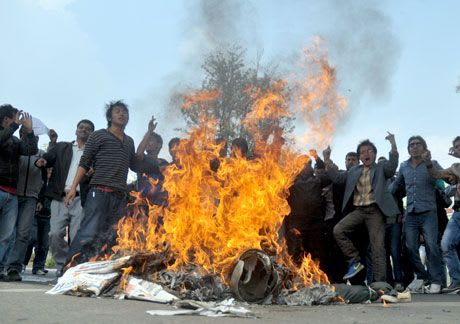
(229, 92)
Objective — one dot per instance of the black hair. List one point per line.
(7, 111)
(456, 140)
(173, 142)
(366, 142)
(86, 121)
(354, 154)
(109, 107)
(157, 137)
(416, 137)
(241, 144)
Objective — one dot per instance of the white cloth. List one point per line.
(39, 127)
(76, 156)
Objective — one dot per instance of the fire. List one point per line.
(213, 217)
(318, 101)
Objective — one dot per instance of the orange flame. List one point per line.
(213, 217)
(319, 103)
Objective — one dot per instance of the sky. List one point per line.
(397, 62)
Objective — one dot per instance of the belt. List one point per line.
(105, 189)
(371, 206)
(65, 194)
(117, 193)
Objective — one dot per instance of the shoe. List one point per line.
(59, 273)
(14, 275)
(399, 287)
(454, 288)
(417, 286)
(353, 269)
(434, 289)
(40, 272)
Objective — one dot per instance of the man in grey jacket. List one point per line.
(29, 185)
(366, 190)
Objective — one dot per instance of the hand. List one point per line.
(390, 138)
(17, 117)
(26, 122)
(90, 172)
(39, 207)
(313, 154)
(152, 125)
(41, 163)
(426, 156)
(70, 197)
(327, 153)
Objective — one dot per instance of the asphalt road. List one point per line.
(26, 302)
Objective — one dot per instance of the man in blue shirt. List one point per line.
(421, 215)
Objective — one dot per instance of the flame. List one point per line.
(200, 98)
(213, 217)
(318, 101)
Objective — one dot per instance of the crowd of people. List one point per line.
(70, 198)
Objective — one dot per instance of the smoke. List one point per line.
(364, 48)
(214, 24)
(207, 26)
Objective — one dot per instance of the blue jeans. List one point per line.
(449, 243)
(394, 250)
(98, 228)
(8, 216)
(425, 223)
(26, 212)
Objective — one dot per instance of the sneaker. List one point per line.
(434, 289)
(454, 288)
(13, 275)
(417, 286)
(353, 270)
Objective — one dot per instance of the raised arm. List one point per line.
(390, 166)
(143, 144)
(336, 176)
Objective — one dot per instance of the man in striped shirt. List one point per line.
(110, 152)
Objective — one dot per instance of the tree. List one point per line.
(229, 93)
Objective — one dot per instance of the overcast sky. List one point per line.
(398, 62)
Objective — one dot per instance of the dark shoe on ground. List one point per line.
(14, 275)
(353, 270)
(454, 288)
(40, 272)
(59, 273)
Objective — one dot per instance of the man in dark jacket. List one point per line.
(366, 189)
(64, 158)
(304, 223)
(11, 148)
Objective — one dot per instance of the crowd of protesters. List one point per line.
(354, 222)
